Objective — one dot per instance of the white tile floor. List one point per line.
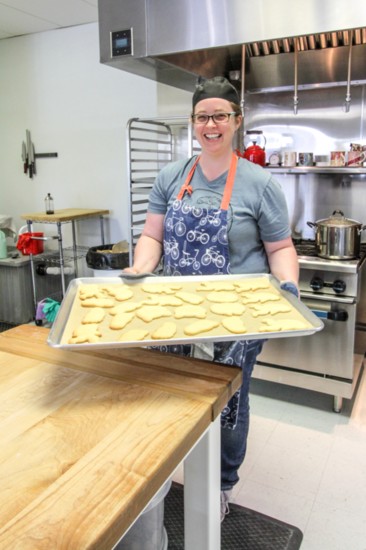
(306, 465)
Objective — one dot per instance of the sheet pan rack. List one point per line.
(151, 144)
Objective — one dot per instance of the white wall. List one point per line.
(53, 84)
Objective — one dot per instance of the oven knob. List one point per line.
(316, 283)
(339, 286)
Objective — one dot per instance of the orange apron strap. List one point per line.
(186, 185)
(229, 183)
(228, 186)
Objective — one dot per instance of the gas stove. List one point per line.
(308, 257)
(328, 277)
(330, 361)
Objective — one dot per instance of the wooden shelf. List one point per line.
(64, 215)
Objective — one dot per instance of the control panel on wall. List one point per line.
(121, 43)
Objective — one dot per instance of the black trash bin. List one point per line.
(103, 261)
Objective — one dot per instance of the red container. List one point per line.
(253, 151)
(30, 243)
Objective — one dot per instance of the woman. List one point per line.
(217, 214)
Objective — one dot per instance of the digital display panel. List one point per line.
(121, 43)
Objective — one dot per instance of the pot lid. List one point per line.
(338, 219)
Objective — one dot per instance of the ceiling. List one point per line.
(18, 17)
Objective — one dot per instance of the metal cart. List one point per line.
(60, 217)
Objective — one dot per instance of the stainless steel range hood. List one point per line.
(174, 41)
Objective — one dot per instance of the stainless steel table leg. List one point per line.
(34, 290)
(202, 528)
(337, 403)
(61, 253)
(102, 228)
(74, 247)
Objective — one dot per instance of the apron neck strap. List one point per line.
(229, 183)
(186, 187)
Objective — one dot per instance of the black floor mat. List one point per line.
(242, 529)
(5, 326)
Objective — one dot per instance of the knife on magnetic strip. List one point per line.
(29, 153)
(24, 157)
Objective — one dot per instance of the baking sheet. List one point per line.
(71, 313)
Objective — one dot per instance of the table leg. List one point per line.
(61, 255)
(102, 229)
(31, 261)
(74, 248)
(202, 528)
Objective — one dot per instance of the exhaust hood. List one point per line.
(175, 41)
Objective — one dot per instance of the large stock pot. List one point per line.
(337, 237)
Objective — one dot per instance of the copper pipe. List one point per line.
(250, 50)
(347, 103)
(242, 91)
(333, 39)
(357, 36)
(255, 47)
(322, 41)
(301, 44)
(240, 134)
(275, 46)
(296, 99)
(286, 45)
(311, 42)
(265, 48)
(345, 38)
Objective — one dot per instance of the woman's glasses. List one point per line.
(218, 118)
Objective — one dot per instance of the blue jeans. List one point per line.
(234, 441)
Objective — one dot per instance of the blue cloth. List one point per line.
(195, 241)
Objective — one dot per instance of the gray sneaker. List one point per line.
(225, 497)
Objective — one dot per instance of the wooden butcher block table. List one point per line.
(88, 438)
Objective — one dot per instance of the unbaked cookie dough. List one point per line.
(234, 325)
(166, 331)
(198, 327)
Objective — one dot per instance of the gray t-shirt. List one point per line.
(257, 210)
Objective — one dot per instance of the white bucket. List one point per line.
(148, 532)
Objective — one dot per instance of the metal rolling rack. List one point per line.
(151, 144)
(65, 255)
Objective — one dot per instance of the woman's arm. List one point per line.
(149, 247)
(282, 259)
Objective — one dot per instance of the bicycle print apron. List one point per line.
(196, 243)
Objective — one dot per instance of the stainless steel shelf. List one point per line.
(316, 170)
(65, 254)
(69, 255)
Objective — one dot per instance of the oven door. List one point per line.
(328, 352)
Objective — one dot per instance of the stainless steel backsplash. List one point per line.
(321, 126)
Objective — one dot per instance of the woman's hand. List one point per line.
(149, 247)
(129, 270)
(283, 263)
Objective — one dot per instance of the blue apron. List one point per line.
(196, 243)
